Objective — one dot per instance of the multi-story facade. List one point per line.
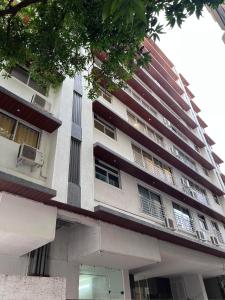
(117, 198)
(219, 16)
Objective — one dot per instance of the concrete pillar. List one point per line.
(126, 285)
(195, 287)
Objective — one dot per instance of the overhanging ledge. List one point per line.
(27, 111)
(21, 187)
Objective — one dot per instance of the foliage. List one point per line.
(57, 38)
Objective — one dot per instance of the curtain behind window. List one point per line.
(26, 135)
(7, 125)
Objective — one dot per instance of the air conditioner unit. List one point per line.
(170, 223)
(201, 235)
(30, 156)
(185, 182)
(214, 240)
(193, 194)
(41, 103)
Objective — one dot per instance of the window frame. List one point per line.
(150, 199)
(20, 121)
(109, 171)
(41, 90)
(105, 125)
(182, 209)
(202, 220)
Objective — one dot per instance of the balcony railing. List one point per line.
(152, 208)
(156, 171)
(196, 195)
(184, 160)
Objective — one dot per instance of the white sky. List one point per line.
(198, 52)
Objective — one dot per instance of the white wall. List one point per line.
(26, 288)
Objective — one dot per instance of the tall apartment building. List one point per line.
(118, 198)
(219, 16)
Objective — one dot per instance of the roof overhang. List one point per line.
(27, 111)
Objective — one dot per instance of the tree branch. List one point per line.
(13, 9)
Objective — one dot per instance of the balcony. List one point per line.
(195, 107)
(217, 159)
(121, 163)
(28, 111)
(190, 94)
(184, 81)
(209, 140)
(150, 96)
(155, 146)
(195, 194)
(160, 57)
(164, 96)
(168, 88)
(201, 122)
(146, 114)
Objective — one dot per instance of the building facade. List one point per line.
(219, 16)
(117, 198)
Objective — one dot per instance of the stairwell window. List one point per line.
(105, 127)
(183, 218)
(150, 203)
(107, 173)
(17, 131)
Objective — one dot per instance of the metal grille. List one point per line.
(183, 218)
(152, 207)
(195, 194)
(76, 112)
(74, 168)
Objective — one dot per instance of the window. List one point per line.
(153, 165)
(7, 126)
(194, 190)
(74, 166)
(17, 131)
(140, 125)
(202, 223)
(23, 75)
(105, 127)
(107, 173)
(216, 231)
(76, 111)
(183, 218)
(216, 199)
(150, 203)
(189, 162)
(106, 95)
(174, 129)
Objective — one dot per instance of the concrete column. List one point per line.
(195, 287)
(126, 285)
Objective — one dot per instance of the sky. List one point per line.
(198, 52)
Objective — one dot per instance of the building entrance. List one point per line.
(152, 289)
(99, 283)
